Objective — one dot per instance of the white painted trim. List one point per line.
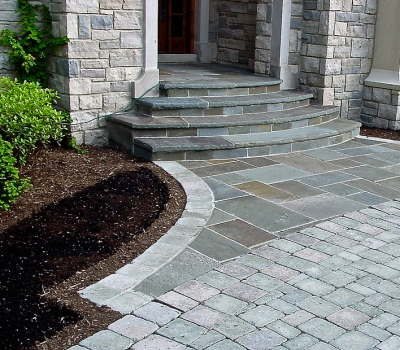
(279, 68)
(385, 79)
(149, 76)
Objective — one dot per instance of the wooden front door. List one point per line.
(175, 26)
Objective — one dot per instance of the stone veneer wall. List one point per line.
(94, 72)
(381, 108)
(264, 35)
(236, 30)
(8, 20)
(337, 49)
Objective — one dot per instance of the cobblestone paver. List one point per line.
(332, 285)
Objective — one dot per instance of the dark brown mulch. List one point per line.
(380, 133)
(86, 216)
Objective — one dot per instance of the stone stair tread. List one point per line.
(145, 122)
(172, 144)
(215, 83)
(158, 103)
(188, 143)
(210, 76)
(327, 129)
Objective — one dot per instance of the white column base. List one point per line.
(146, 84)
(289, 80)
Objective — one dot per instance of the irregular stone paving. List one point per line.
(332, 285)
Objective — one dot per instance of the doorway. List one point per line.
(176, 26)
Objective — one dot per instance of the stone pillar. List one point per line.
(94, 72)
(381, 100)
(280, 68)
(149, 77)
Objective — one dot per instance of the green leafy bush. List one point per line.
(11, 186)
(27, 117)
(29, 47)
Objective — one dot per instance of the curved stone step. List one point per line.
(221, 105)
(143, 126)
(246, 145)
(252, 85)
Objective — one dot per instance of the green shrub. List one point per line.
(27, 117)
(11, 186)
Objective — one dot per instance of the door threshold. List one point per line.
(177, 58)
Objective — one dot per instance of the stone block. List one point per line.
(127, 20)
(341, 28)
(94, 64)
(93, 73)
(261, 12)
(82, 6)
(99, 87)
(388, 112)
(263, 42)
(361, 48)
(125, 58)
(351, 66)
(80, 86)
(101, 22)
(353, 82)
(326, 24)
(108, 44)
(131, 39)
(72, 31)
(310, 64)
(84, 27)
(347, 17)
(357, 31)
(382, 95)
(83, 49)
(331, 67)
(105, 35)
(132, 5)
(111, 4)
(94, 101)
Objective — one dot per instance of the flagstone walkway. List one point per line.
(292, 251)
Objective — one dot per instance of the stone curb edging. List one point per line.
(116, 290)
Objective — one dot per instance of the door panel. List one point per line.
(176, 26)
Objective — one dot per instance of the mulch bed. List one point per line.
(85, 217)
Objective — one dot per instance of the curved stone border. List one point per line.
(116, 290)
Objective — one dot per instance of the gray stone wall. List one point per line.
(236, 31)
(381, 108)
(264, 35)
(8, 20)
(94, 72)
(337, 49)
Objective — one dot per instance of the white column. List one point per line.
(279, 67)
(385, 71)
(149, 76)
(202, 47)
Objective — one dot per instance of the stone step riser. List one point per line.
(247, 151)
(225, 111)
(231, 130)
(239, 91)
